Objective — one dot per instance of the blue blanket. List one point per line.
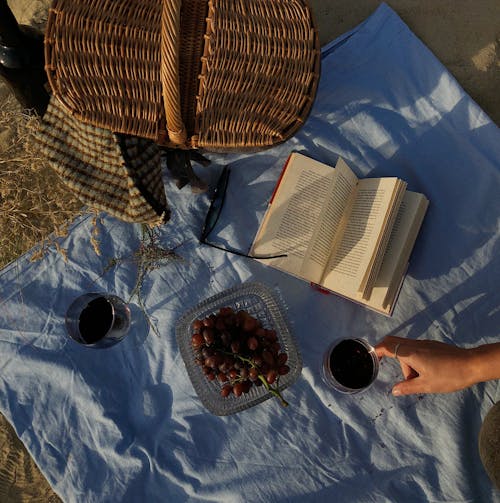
(125, 424)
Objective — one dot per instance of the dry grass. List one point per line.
(35, 206)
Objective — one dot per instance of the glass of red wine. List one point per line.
(98, 320)
(350, 365)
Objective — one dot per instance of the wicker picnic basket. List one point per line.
(190, 74)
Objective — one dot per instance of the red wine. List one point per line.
(96, 320)
(351, 364)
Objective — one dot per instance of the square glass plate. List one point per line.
(262, 303)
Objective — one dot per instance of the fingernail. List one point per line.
(396, 392)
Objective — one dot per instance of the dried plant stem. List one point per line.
(149, 256)
(35, 206)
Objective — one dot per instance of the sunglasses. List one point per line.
(214, 212)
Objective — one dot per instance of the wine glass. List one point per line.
(98, 320)
(350, 365)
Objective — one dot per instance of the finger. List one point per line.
(408, 372)
(409, 387)
(387, 346)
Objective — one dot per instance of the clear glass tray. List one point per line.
(262, 303)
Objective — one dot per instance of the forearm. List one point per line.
(485, 362)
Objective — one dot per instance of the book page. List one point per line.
(373, 266)
(329, 227)
(351, 257)
(293, 214)
(403, 236)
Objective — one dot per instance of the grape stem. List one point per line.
(274, 391)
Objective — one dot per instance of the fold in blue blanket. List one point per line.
(124, 424)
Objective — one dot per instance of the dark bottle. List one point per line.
(22, 61)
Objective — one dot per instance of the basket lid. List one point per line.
(218, 74)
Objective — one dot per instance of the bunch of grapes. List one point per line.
(235, 349)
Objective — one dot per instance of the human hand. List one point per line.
(429, 366)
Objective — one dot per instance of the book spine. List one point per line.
(279, 179)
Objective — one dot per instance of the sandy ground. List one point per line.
(463, 34)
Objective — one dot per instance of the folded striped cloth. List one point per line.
(118, 174)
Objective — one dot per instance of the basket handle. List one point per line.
(170, 41)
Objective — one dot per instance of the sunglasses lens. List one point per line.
(212, 215)
(216, 203)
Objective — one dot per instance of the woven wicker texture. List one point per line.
(259, 74)
(117, 174)
(221, 75)
(103, 62)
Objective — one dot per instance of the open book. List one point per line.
(350, 236)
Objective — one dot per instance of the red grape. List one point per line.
(271, 376)
(208, 322)
(197, 324)
(226, 390)
(226, 311)
(268, 357)
(253, 373)
(238, 389)
(252, 343)
(197, 340)
(249, 324)
(234, 348)
(222, 377)
(283, 370)
(282, 358)
(209, 335)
